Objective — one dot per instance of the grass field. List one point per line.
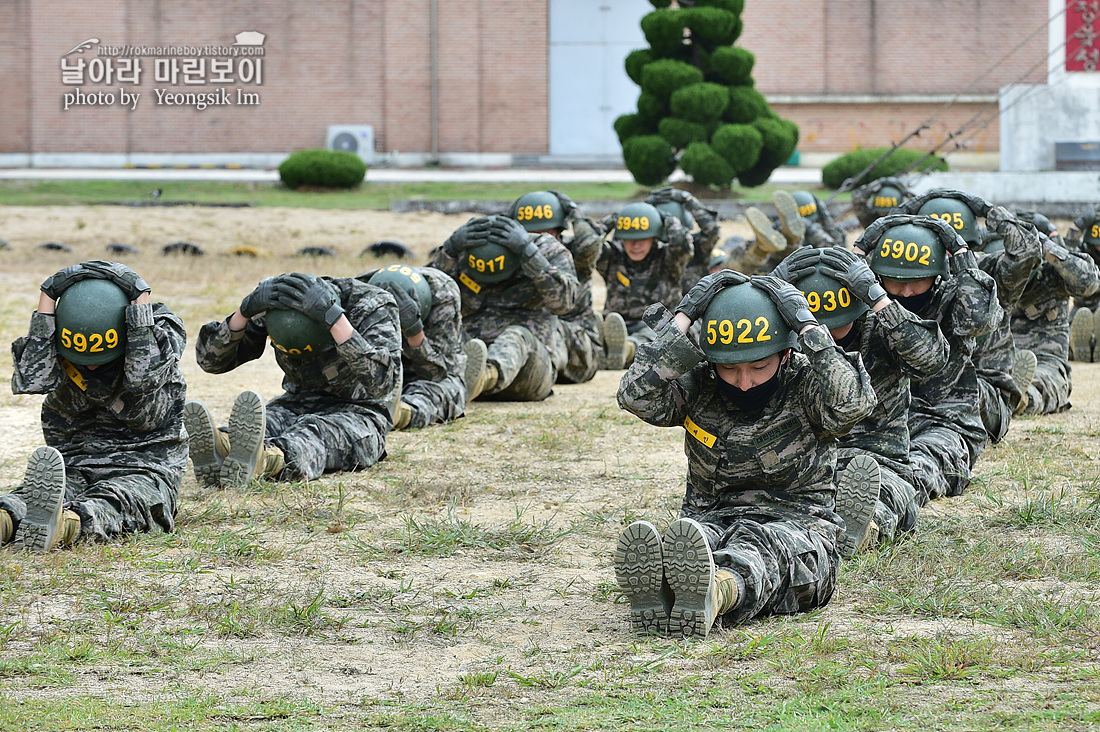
(465, 582)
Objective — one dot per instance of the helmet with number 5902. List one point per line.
(908, 252)
(742, 324)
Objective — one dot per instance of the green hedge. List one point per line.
(636, 61)
(835, 173)
(780, 141)
(746, 105)
(680, 133)
(323, 169)
(712, 26)
(740, 145)
(665, 32)
(732, 65)
(648, 158)
(630, 125)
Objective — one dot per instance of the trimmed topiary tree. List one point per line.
(322, 169)
(698, 100)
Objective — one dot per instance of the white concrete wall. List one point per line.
(1034, 117)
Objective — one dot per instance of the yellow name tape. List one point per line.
(75, 375)
(623, 278)
(699, 433)
(464, 279)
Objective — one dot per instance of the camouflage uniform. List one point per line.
(761, 484)
(1075, 241)
(518, 318)
(946, 430)
(334, 415)
(863, 199)
(432, 381)
(119, 427)
(579, 328)
(1040, 323)
(703, 243)
(634, 286)
(821, 230)
(896, 346)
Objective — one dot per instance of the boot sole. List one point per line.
(615, 335)
(476, 355)
(43, 491)
(1023, 369)
(689, 571)
(246, 439)
(202, 443)
(789, 218)
(639, 572)
(1080, 335)
(767, 238)
(856, 496)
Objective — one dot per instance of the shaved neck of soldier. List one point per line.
(638, 249)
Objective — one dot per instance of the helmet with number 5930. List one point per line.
(639, 221)
(957, 214)
(908, 252)
(538, 211)
(830, 301)
(742, 324)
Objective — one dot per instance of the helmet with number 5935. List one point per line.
(538, 211)
(908, 252)
(742, 324)
(639, 221)
(90, 322)
(957, 214)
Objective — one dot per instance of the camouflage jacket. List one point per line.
(128, 412)
(533, 297)
(584, 245)
(896, 346)
(363, 371)
(821, 229)
(703, 243)
(774, 464)
(634, 286)
(965, 306)
(1040, 320)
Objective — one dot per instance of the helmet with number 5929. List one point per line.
(957, 214)
(908, 252)
(639, 221)
(90, 323)
(742, 324)
(538, 211)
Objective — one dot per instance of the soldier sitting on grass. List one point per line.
(338, 343)
(758, 532)
(107, 360)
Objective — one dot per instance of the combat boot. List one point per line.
(43, 490)
(631, 349)
(70, 528)
(872, 539)
(5, 527)
(207, 446)
(1081, 334)
(615, 340)
(1023, 373)
(271, 462)
(790, 221)
(690, 573)
(476, 355)
(640, 574)
(768, 240)
(403, 417)
(856, 496)
(246, 440)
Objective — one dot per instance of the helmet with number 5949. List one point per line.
(908, 252)
(957, 214)
(742, 324)
(639, 221)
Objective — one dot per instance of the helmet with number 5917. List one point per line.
(908, 252)
(957, 214)
(742, 324)
(489, 263)
(639, 221)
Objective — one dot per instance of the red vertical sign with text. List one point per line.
(1082, 42)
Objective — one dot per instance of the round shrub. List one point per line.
(680, 133)
(700, 102)
(630, 125)
(651, 108)
(705, 166)
(733, 6)
(648, 158)
(780, 140)
(740, 145)
(665, 76)
(712, 26)
(746, 105)
(323, 169)
(660, 3)
(635, 62)
(836, 172)
(665, 32)
(732, 65)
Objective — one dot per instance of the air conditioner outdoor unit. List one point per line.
(358, 139)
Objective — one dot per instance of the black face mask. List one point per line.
(850, 342)
(916, 303)
(756, 398)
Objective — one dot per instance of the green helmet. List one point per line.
(830, 301)
(908, 252)
(742, 324)
(994, 245)
(90, 322)
(538, 211)
(956, 213)
(488, 263)
(677, 210)
(1043, 224)
(409, 280)
(639, 221)
(807, 203)
(295, 334)
(886, 199)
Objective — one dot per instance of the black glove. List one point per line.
(852, 272)
(470, 234)
(57, 283)
(802, 263)
(407, 307)
(695, 303)
(512, 236)
(127, 280)
(789, 301)
(260, 300)
(568, 205)
(977, 205)
(951, 241)
(309, 295)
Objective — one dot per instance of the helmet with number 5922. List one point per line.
(742, 324)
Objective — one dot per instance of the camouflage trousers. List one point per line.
(897, 509)
(995, 410)
(639, 332)
(319, 435)
(526, 371)
(1050, 389)
(582, 341)
(940, 459)
(435, 402)
(786, 567)
(112, 501)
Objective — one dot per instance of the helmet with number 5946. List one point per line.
(90, 323)
(742, 324)
(908, 252)
(639, 221)
(957, 214)
(538, 211)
